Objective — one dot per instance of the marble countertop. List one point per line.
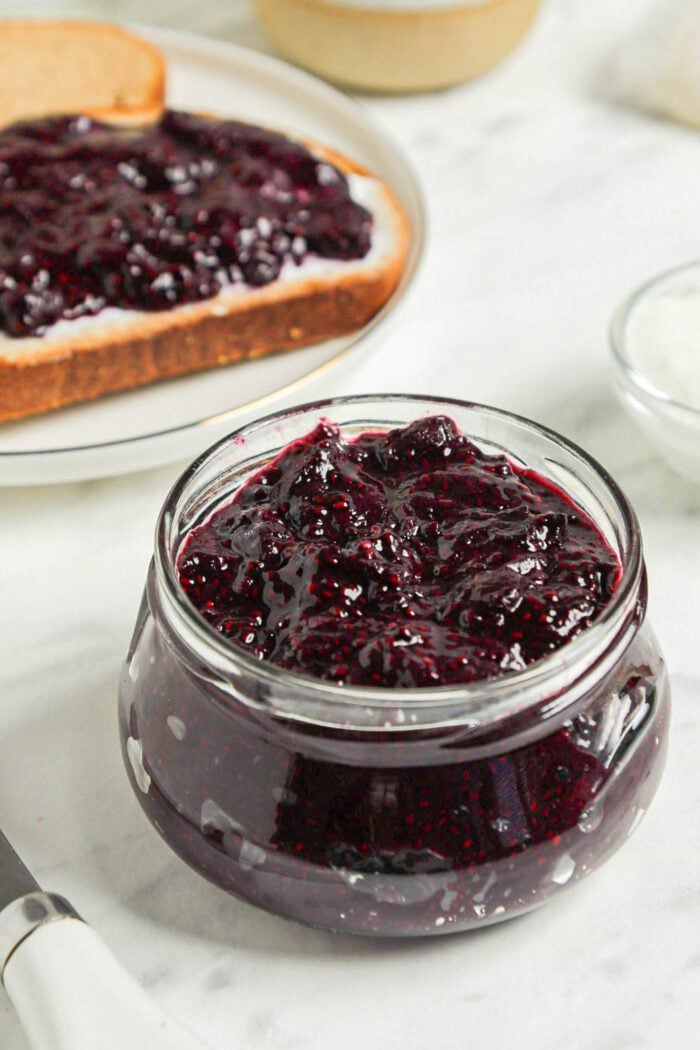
(547, 204)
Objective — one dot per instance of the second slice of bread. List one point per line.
(55, 67)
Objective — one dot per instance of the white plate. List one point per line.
(181, 417)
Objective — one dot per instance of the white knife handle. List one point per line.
(71, 994)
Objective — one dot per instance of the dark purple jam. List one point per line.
(409, 558)
(94, 216)
(405, 559)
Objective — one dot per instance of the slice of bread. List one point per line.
(117, 349)
(55, 67)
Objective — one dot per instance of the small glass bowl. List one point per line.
(398, 812)
(660, 405)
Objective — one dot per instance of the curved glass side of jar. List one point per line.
(393, 812)
(389, 834)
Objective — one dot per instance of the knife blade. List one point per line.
(15, 880)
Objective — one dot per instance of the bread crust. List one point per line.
(223, 330)
(308, 316)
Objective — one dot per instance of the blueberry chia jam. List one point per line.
(150, 218)
(392, 673)
(406, 559)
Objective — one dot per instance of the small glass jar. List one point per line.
(390, 811)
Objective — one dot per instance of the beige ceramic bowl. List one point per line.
(396, 45)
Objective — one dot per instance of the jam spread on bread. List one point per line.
(93, 215)
(404, 559)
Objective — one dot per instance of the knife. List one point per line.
(70, 993)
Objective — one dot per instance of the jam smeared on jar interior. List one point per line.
(407, 559)
(95, 216)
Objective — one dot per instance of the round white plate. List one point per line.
(181, 417)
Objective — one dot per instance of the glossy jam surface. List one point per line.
(94, 216)
(408, 559)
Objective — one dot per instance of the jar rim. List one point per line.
(480, 702)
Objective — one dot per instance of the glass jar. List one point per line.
(390, 811)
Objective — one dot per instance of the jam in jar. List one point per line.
(391, 674)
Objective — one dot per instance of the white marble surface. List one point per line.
(547, 205)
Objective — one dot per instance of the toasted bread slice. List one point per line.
(78, 67)
(118, 349)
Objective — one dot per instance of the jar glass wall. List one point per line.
(391, 811)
